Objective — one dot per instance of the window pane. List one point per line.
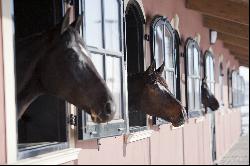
(159, 49)
(112, 24)
(168, 49)
(190, 60)
(93, 23)
(190, 94)
(197, 93)
(208, 69)
(97, 59)
(196, 62)
(211, 70)
(170, 81)
(113, 73)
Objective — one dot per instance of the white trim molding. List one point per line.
(9, 80)
(54, 158)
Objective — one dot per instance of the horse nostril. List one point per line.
(109, 108)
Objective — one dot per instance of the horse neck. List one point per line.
(28, 53)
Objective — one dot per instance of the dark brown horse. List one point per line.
(207, 98)
(148, 92)
(57, 63)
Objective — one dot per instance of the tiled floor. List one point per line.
(239, 154)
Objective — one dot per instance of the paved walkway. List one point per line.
(239, 154)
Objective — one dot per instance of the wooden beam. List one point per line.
(246, 59)
(236, 49)
(239, 55)
(226, 9)
(230, 39)
(226, 26)
(244, 63)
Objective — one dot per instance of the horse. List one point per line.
(148, 92)
(56, 62)
(207, 97)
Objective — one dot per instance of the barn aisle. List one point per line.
(238, 154)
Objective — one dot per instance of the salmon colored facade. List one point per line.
(190, 144)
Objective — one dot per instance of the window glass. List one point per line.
(93, 23)
(190, 94)
(190, 61)
(98, 61)
(170, 81)
(197, 93)
(196, 62)
(193, 78)
(112, 25)
(113, 72)
(104, 35)
(159, 49)
(168, 39)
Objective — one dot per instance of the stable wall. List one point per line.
(187, 145)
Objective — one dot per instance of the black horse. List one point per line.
(148, 92)
(57, 63)
(207, 98)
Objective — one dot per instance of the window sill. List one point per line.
(54, 158)
(133, 137)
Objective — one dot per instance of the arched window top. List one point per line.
(209, 69)
(137, 9)
(162, 42)
(193, 81)
(192, 57)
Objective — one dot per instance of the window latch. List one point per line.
(73, 120)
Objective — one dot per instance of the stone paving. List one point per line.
(239, 154)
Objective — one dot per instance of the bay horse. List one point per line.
(56, 62)
(148, 92)
(207, 97)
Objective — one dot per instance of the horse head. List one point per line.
(148, 92)
(66, 71)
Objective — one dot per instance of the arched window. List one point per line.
(238, 89)
(163, 51)
(162, 48)
(135, 57)
(193, 80)
(221, 82)
(209, 71)
(229, 83)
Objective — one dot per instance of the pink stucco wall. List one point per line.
(2, 115)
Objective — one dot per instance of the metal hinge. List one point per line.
(73, 120)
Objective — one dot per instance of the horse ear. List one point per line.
(66, 21)
(204, 79)
(161, 69)
(151, 68)
(78, 23)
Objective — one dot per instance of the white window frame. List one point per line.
(196, 112)
(114, 127)
(157, 22)
(208, 71)
(221, 83)
(57, 157)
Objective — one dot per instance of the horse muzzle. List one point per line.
(104, 116)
